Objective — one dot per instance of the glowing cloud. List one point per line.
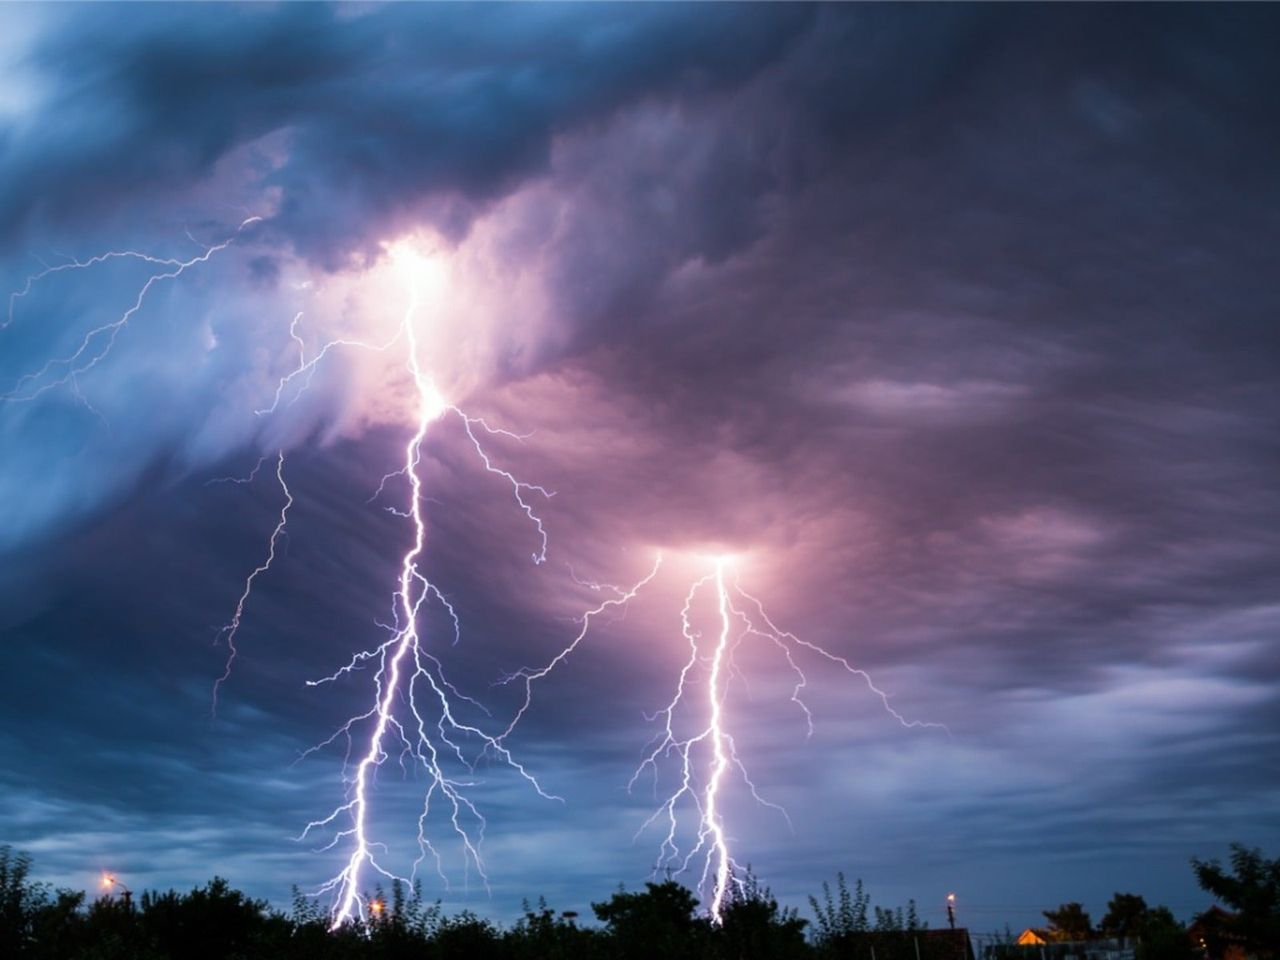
(696, 725)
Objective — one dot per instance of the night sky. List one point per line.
(956, 326)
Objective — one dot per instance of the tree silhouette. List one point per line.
(754, 927)
(212, 922)
(543, 935)
(1125, 916)
(843, 928)
(1161, 937)
(657, 923)
(21, 900)
(1252, 889)
(843, 915)
(1069, 922)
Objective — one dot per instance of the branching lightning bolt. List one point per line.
(74, 264)
(785, 640)
(518, 487)
(712, 842)
(95, 345)
(528, 676)
(429, 732)
(415, 711)
(706, 759)
(232, 627)
(414, 703)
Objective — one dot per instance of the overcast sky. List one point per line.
(955, 326)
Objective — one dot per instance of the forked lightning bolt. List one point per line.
(414, 707)
(95, 345)
(414, 704)
(712, 737)
(705, 757)
(232, 627)
(527, 676)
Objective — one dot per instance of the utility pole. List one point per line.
(951, 910)
(109, 881)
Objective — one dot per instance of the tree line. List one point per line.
(1250, 886)
(217, 922)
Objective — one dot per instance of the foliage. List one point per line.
(209, 923)
(842, 916)
(21, 902)
(1125, 916)
(216, 922)
(843, 928)
(1003, 944)
(541, 933)
(754, 927)
(1252, 889)
(1161, 937)
(1069, 922)
(659, 922)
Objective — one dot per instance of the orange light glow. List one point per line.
(108, 880)
(376, 907)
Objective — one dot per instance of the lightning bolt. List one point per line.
(415, 710)
(712, 841)
(305, 371)
(528, 676)
(414, 703)
(232, 627)
(706, 757)
(74, 264)
(96, 345)
(415, 707)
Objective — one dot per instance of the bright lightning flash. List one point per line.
(414, 704)
(706, 758)
(712, 739)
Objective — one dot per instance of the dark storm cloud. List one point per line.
(382, 106)
(1088, 330)
(959, 321)
(1012, 335)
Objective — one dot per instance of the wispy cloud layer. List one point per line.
(958, 325)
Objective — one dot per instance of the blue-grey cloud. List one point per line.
(381, 107)
(960, 322)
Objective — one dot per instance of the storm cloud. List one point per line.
(956, 323)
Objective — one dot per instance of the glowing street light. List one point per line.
(951, 910)
(110, 882)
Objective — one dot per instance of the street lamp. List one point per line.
(109, 882)
(951, 910)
